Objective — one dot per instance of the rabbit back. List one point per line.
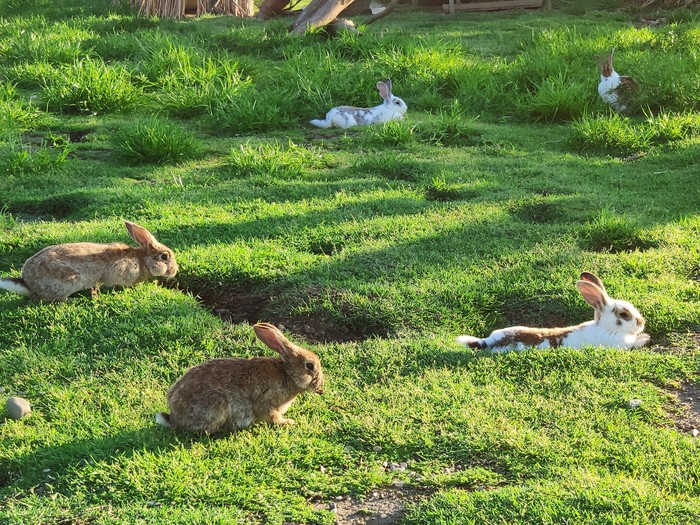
(228, 394)
(58, 271)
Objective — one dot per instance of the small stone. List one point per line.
(47, 470)
(695, 432)
(377, 448)
(634, 403)
(375, 495)
(322, 469)
(403, 465)
(332, 506)
(399, 484)
(17, 408)
(2, 390)
(339, 498)
(153, 504)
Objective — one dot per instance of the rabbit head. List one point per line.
(605, 65)
(159, 259)
(301, 366)
(395, 103)
(612, 315)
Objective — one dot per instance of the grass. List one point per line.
(154, 140)
(374, 247)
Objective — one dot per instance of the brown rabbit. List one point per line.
(58, 271)
(223, 395)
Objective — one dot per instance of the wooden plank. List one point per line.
(492, 6)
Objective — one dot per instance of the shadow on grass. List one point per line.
(32, 471)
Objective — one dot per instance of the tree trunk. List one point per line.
(318, 13)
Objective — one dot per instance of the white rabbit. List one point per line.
(613, 88)
(393, 108)
(616, 323)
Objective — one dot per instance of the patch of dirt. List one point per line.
(688, 417)
(380, 507)
(250, 306)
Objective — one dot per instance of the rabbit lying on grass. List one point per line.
(58, 271)
(393, 108)
(616, 323)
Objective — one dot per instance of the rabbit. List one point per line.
(393, 108)
(614, 89)
(616, 323)
(58, 271)
(228, 394)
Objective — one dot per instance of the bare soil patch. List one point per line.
(381, 507)
(251, 306)
(688, 417)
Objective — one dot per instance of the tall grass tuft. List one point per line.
(451, 127)
(19, 156)
(249, 110)
(154, 141)
(272, 160)
(394, 133)
(16, 114)
(90, 86)
(616, 134)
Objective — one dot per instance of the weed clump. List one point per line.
(438, 189)
(90, 86)
(617, 134)
(155, 141)
(271, 160)
(613, 233)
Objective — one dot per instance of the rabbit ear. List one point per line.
(610, 57)
(593, 295)
(274, 339)
(141, 235)
(388, 85)
(384, 90)
(592, 278)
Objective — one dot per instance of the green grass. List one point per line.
(374, 247)
(154, 140)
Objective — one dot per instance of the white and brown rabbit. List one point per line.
(228, 394)
(58, 271)
(393, 108)
(616, 323)
(614, 89)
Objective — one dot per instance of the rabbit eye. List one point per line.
(163, 256)
(310, 366)
(625, 315)
(398, 103)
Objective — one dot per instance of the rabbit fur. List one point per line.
(228, 394)
(613, 88)
(393, 108)
(616, 323)
(58, 271)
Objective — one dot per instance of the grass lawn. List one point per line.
(373, 247)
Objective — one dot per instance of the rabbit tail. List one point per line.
(321, 123)
(472, 342)
(163, 419)
(14, 284)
